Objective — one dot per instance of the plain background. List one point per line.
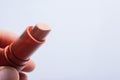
(84, 43)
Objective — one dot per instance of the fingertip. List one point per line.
(23, 76)
(8, 73)
(29, 66)
(7, 38)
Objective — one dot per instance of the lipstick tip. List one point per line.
(40, 31)
(43, 27)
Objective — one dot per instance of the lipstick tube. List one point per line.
(19, 52)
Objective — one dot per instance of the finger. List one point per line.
(6, 38)
(29, 66)
(8, 73)
(23, 76)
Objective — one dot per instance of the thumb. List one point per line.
(8, 73)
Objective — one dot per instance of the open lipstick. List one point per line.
(19, 52)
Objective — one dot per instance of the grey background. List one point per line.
(84, 43)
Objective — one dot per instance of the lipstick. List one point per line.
(19, 52)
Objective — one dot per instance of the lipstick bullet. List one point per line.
(19, 52)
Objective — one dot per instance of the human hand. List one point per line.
(10, 73)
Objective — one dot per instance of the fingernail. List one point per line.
(8, 73)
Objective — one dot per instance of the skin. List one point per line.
(9, 73)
